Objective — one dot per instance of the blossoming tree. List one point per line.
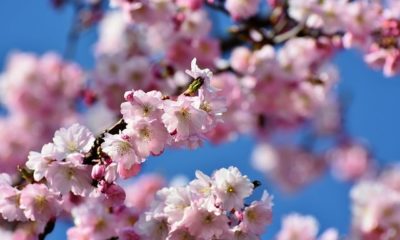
(162, 80)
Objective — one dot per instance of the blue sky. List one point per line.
(373, 116)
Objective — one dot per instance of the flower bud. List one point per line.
(115, 195)
(98, 171)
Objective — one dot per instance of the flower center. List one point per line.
(230, 189)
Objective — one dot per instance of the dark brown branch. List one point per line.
(95, 151)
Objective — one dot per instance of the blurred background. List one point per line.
(373, 116)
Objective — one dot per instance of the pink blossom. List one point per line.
(10, 203)
(121, 149)
(152, 228)
(195, 25)
(39, 162)
(350, 161)
(240, 9)
(148, 185)
(141, 105)
(375, 209)
(291, 168)
(204, 224)
(180, 233)
(299, 227)
(258, 215)
(150, 136)
(183, 118)
(75, 139)
(240, 59)
(231, 187)
(136, 72)
(39, 203)
(176, 203)
(64, 177)
(115, 195)
(92, 219)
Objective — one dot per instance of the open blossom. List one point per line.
(196, 210)
(150, 136)
(204, 223)
(75, 139)
(10, 203)
(141, 105)
(39, 162)
(64, 177)
(152, 227)
(183, 117)
(93, 220)
(231, 187)
(258, 215)
(61, 161)
(39, 203)
(121, 150)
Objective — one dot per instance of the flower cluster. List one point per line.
(289, 167)
(34, 205)
(95, 220)
(370, 25)
(128, 53)
(40, 94)
(207, 208)
(155, 121)
(61, 161)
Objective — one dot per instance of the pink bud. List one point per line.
(115, 195)
(98, 171)
(128, 96)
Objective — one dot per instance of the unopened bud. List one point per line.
(98, 171)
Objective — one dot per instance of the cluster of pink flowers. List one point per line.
(284, 91)
(68, 167)
(207, 208)
(33, 206)
(150, 50)
(40, 95)
(260, 87)
(369, 25)
(292, 167)
(155, 121)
